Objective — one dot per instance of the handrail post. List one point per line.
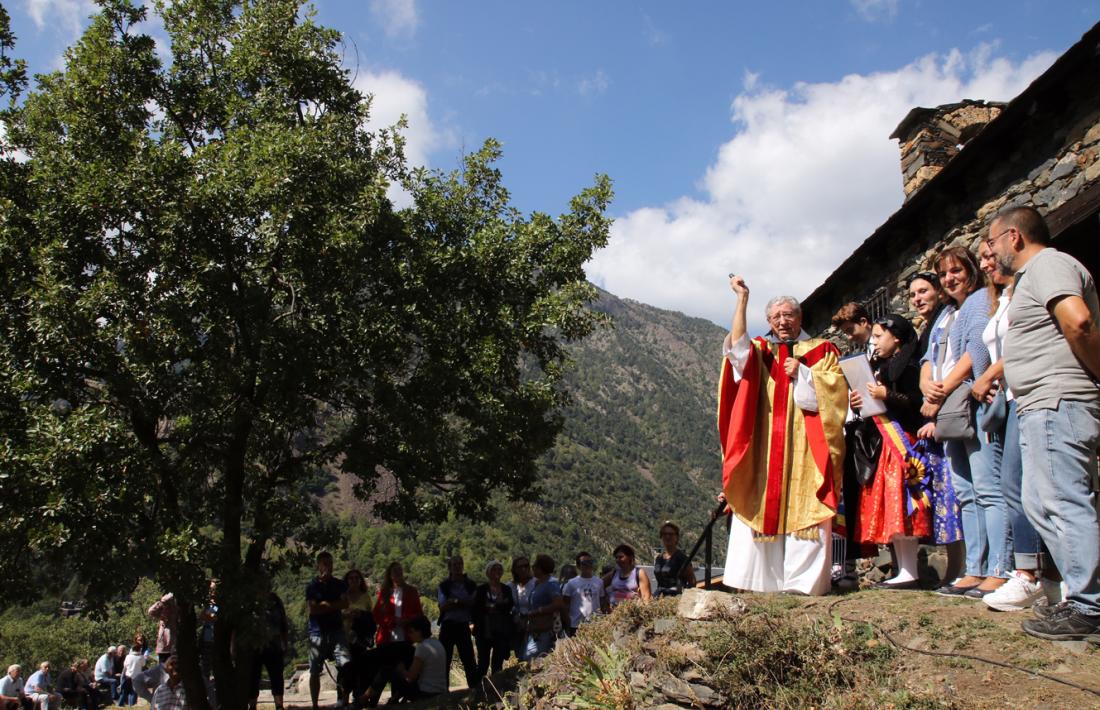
(706, 582)
(705, 538)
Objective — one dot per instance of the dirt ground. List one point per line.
(925, 621)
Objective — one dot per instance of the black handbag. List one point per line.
(863, 447)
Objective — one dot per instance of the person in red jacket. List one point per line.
(397, 604)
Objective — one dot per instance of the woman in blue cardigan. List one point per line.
(956, 356)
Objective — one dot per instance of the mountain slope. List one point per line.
(639, 446)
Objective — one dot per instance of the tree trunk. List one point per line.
(230, 679)
(187, 652)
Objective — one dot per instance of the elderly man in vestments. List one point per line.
(782, 402)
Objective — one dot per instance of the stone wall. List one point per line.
(1047, 187)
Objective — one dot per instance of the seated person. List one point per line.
(426, 676)
(39, 688)
(74, 686)
(147, 681)
(12, 696)
(105, 673)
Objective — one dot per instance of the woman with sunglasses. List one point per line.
(956, 356)
(627, 581)
(493, 604)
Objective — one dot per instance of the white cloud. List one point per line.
(398, 18)
(66, 15)
(875, 10)
(653, 35)
(808, 174)
(594, 85)
(395, 96)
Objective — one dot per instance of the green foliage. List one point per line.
(600, 675)
(30, 635)
(13, 72)
(209, 304)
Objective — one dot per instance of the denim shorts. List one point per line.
(326, 645)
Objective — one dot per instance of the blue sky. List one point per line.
(740, 136)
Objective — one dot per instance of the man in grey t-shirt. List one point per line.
(1051, 360)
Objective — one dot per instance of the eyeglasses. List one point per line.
(585, 563)
(993, 240)
(782, 315)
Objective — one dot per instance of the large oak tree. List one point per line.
(207, 301)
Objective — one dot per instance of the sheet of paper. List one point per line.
(857, 370)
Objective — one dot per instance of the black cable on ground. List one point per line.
(967, 656)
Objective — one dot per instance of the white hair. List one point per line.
(778, 300)
(14, 667)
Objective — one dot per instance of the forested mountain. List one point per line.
(639, 446)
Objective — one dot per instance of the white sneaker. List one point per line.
(1017, 594)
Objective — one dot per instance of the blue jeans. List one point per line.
(539, 644)
(989, 498)
(126, 694)
(1022, 540)
(975, 468)
(1059, 454)
(111, 684)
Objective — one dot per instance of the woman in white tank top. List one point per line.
(626, 581)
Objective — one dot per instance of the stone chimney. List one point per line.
(929, 137)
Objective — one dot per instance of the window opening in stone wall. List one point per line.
(878, 305)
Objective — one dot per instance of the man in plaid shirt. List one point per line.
(169, 695)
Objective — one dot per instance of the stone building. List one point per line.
(963, 162)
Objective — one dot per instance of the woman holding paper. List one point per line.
(895, 506)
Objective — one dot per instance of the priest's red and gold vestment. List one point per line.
(782, 463)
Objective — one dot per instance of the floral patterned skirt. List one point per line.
(946, 526)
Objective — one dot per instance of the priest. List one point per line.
(782, 402)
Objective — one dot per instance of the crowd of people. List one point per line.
(391, 641)
(120, 676)
(374, 640)
(978, 433)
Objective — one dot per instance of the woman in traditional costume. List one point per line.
(895, 505)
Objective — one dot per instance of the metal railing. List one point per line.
(706, 541)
